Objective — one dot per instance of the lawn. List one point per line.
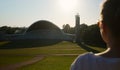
(60, 48)
(7, 60)
(50, 62)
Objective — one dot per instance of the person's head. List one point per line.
(110, 20)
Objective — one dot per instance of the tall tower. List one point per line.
(77, 28)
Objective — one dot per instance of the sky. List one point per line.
(22, 13)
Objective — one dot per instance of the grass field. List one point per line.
(7, 60)
(50, 62)
(63, 47)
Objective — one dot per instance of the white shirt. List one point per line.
(89, 61)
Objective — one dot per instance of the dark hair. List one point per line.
(110, 15)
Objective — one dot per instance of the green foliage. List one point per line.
(11, 30)
(92, 36)
(66, 28)
(88, 34)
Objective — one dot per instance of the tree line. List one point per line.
(12, 30)
(88, 34)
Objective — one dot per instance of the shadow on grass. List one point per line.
(84, 46)
(28, 44)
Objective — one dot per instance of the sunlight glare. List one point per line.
(68, 5)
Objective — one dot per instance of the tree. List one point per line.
(92, 36)
(83, 28)
(11, 30)
(66, 28)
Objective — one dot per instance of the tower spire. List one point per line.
(77, 28)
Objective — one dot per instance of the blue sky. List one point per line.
(25, 12)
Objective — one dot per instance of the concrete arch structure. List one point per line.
(46, 30)
(43, 25)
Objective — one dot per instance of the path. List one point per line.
(18, 65)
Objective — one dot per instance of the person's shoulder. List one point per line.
(82, 61)
(85, 56)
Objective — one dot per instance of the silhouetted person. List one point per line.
(110, 31)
